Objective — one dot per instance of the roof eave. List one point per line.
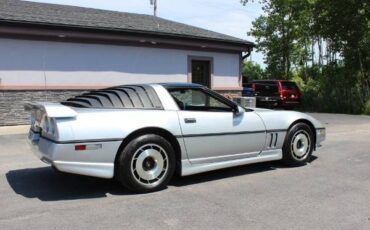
(72, 32)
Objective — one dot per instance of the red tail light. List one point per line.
(88, 147)
(80, 147)
(281, 93)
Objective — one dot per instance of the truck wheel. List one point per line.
(298, 145)
(146, 164)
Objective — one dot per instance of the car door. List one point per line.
(212, 132)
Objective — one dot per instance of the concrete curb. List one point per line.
(11, 130)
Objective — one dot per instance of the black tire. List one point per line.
(144, 157)
(298, 145)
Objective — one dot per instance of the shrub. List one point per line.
(333, 90)
(367, 108)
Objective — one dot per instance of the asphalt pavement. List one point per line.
(331, 192)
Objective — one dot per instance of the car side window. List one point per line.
(197, 100)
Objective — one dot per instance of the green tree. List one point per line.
(323, 44)
(346, 25)
(251, 71)
(279, 35)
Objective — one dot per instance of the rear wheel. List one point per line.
(146, 164)
(298, 145)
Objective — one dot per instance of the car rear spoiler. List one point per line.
(52, 110)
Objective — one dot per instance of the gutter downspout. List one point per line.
(249, 51)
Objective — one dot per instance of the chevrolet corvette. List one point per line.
(142, 134)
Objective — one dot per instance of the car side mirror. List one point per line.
(238, 111)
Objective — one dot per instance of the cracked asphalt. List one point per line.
(331, 192)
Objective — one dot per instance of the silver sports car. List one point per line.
(142, 134)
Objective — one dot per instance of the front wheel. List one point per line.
(146, 164)
(298, 145)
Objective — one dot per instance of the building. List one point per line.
(51, 52)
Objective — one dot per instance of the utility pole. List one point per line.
(154, 4)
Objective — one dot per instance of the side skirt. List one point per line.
(267, 155)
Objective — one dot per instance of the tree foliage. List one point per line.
(323, 43)
(251, 71)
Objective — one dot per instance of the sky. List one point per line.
(225, 16)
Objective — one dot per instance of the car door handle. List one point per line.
(190, 120)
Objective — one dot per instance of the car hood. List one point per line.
(282, 119)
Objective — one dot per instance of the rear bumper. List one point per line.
(262, 101)
(64, 157)
(288, 103)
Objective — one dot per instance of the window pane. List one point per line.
(289, 85)
(266, 89)
(195, 99)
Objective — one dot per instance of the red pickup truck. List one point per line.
(276, 93)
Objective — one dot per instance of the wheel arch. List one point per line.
(309, 123)
(157, 131)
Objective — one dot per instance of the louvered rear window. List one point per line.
(125, 96)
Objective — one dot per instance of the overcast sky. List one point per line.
(224, 16)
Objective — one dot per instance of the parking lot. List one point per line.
(331, 192)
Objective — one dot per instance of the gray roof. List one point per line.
(72, 16)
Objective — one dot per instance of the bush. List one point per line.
(333, 90)
(367, 108)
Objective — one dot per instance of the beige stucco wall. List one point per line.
(45, 63)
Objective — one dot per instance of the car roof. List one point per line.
(180, 85)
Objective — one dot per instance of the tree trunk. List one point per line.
(319, 45)
(313, 51)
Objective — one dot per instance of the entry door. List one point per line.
(211, 130)
(201, 72)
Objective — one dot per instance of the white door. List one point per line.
(212, 131)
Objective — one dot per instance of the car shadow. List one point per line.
(225, 173)
(47, 184)
(230, 172)
(312, 159)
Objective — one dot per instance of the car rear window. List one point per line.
(289, 85)
(264, 89)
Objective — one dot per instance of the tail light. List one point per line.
(281, 94)
(34, 122)
(36, 117)
(49, 127)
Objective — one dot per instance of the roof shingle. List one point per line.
(72, 16)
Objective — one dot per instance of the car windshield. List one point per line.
(289, 85)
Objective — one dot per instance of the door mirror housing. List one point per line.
(238, 111)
